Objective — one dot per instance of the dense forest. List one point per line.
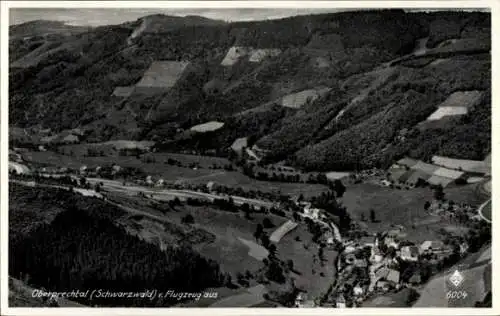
(81, 248)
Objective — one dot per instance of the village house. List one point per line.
(383, 285)
(358, 290)
(385, 182)
(299, 300)
(376, 255)
(393, 237)
(329, 238)
(464, 247)
(435, 247)
(115, 169)
(210, 186)
(312, 213)
(409, 253)
(83, 170)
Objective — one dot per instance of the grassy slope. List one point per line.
(402, 207)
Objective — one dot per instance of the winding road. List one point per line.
(484, 209)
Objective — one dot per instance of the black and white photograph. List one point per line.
(237, 157)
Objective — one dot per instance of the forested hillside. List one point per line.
(379, 87)
(75, 243)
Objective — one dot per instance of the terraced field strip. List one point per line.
(255, 250)
(258, 55)
(162, 74)
(447, 111)
(463, 164)
(281, 231)
(334, 175)
(298, 99)
(207, 127)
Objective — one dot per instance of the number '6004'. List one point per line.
(456, 294)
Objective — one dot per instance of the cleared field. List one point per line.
(437, 62)
(234, 246)
(391, 206)
(255, 250)
(463, 99)
(458, 103)
(239, 144)
(234, 54)
(464, 194)
(259, 55)
(334, 175)
(475, 179)
(236, 179)
(129, 144)
(123, 92)
(304, 254)
(162, 74)
(297, 100)
(207, 127)
(444, 111)
(425, 167)
(463, 45)
(281, 231)
(463, 164)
